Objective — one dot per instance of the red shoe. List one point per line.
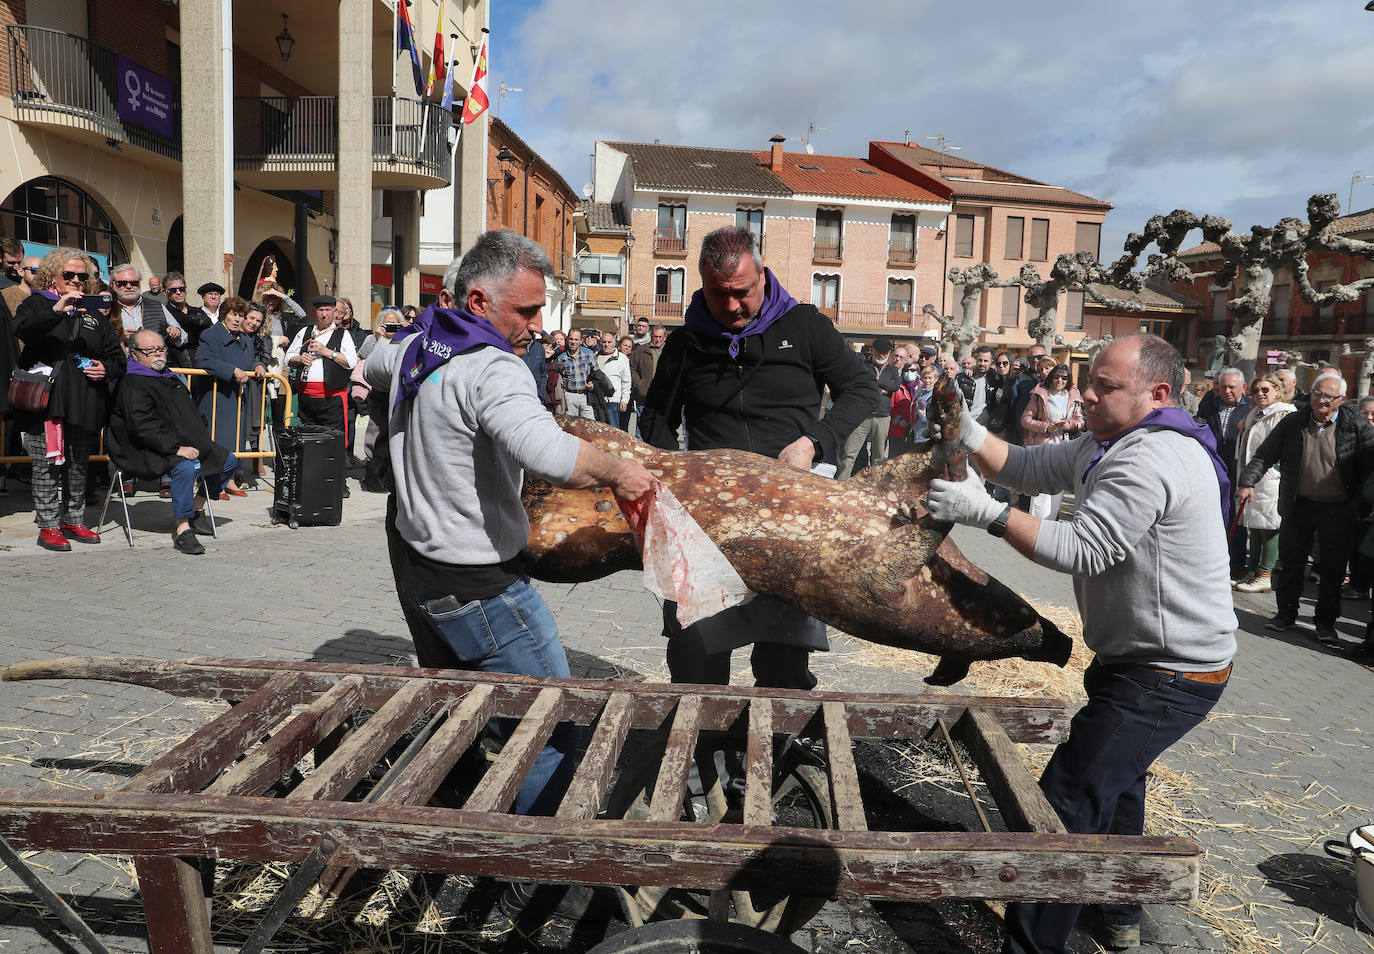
(53, 540)
(80, 533)
(235, 491)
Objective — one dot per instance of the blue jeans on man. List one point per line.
(613, 414)
(1096, 779)
(183, 480)
(513, 632)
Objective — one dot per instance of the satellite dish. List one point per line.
(587, 190)
(810, 149)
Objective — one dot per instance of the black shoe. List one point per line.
(545, 901)
(1282, 621)
(1365, 651)
(1326, 634)
(345, 492)
(200, 523)
(187, 543)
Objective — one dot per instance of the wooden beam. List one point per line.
(844, 775)
(758, 765)
(199, 758)
(499, 786)
(673, 771)
(270, 760)
(174, 906)
(1009, 780)
(593, 778)
(418, 781)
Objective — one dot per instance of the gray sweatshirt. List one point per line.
(1146, 547)
(459, 449)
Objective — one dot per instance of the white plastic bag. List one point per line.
(681, 563)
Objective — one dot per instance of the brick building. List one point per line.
(133, 136)
(1292, 324)
(527, 195)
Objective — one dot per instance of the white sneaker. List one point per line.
(1259, 583)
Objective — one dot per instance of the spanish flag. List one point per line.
(438, 65)
(477, 101)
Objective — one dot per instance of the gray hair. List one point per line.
(133, 338)
(392, 315)
(1228, 372)
(1158, 362)
(722, 250)
(126, 267)
(1330, 376)
(494, 259)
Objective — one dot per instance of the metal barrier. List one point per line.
(264, 423)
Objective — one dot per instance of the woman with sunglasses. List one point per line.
(1054, 414)
(1261, 516)
(80, 350)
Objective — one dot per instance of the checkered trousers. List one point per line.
(59, 491)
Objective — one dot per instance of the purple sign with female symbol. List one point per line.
(144, 97)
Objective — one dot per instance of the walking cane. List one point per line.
(1235, 521)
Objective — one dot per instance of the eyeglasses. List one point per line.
(1322, 395)
(31, 269)
(1261, 390)
(160, 349)
(1059, 377)
(1004, 362)
(179, 289)
(126, 282)
(77, 276)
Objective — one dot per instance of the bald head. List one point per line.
(147, 348)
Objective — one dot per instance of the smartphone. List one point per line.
(93, 303)
(391, 328)
(82, 361)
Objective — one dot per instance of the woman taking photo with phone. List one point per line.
(68, 339)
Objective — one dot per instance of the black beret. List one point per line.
(319, 300)
(210, 287)
(882, 345)
(929, 351)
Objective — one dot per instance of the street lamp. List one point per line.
(629, 247)
(285, 41)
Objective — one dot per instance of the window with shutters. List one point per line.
(963, 236)
(829, 232)
(1011, 306)
(901, 240)
(1016, 236)
(1040, 240)
(1087, 237)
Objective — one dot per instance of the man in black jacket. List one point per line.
(747, 371)
(1225, 414)
(155, 430)
(1324, 452)
(873, 428)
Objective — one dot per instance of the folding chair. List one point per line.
(118, 484)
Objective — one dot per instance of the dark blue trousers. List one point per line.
(1096, 779)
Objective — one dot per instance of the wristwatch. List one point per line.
(998, 527)
(819, 452)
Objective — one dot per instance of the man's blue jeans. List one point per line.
(1096, 779)
(183, 478)
(513, 632)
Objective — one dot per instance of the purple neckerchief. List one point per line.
(50, 295)
(1177, 419)
(134, 367)
(776, 303)
(441, 334)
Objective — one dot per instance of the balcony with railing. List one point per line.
(828, 249)
(60, 79)
(875, 315)
(668, 306)
(670, 240)
(901, 250)
(293, 142)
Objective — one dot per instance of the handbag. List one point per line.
(29, 390)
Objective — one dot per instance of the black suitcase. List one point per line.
(310, 476)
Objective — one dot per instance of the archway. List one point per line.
(176, 247)
(48, 211)
(284, 251)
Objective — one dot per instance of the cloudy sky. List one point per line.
(1229, 107)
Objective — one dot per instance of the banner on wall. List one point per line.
(38, 250)
(144, 98)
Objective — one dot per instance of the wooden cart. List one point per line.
(621, 822)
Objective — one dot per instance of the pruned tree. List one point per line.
(971, 282)
(956, 336)
(1090, 345)
(1250, 259)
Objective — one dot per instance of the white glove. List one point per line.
(971, 433)
(963, 501)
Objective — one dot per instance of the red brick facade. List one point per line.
(529, 197)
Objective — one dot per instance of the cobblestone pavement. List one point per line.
(1283, 763)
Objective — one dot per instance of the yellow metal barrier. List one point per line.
(264, 420)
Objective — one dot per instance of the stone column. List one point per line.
(469, 181)
(206, 140)
(405, 222)
(353, 215)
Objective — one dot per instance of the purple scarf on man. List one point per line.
(439, 335)
(1177, 419)
(776, 303)
(134, 367)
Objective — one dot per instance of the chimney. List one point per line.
(775, 156)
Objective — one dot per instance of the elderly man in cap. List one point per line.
(873, 428)
(327, 355)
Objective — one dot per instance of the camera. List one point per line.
(391, 327)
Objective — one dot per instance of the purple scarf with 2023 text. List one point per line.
(1177, 419)
(776, 303)
(440, 334)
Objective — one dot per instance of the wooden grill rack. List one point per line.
(208, 797)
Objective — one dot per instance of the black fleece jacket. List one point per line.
(765, 398)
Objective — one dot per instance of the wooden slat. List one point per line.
(588, 787)
(174, 906)
(844, 776)
(360, 751)
(503, 779)
(200, 757)
(758, 765)
(415, 783)
(677, 761)
(270, 760)
(1009, 779)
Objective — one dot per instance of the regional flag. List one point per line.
(405, 39)
(437, 63)
(477, 101)
(450, 87)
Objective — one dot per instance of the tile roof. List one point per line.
(1352, 224)
(1148, 296)
(557, 177)
(605, 216)
(845, 176)
(700, 169)
(994, 184)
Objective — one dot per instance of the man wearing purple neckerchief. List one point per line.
(747, 372)
(1147, 550)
